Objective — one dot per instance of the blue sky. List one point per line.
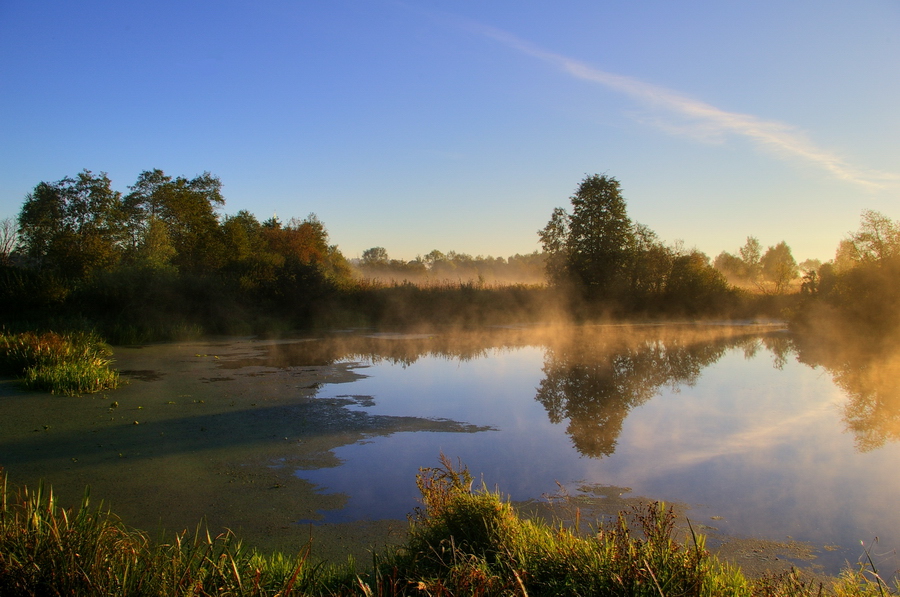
(461, 125)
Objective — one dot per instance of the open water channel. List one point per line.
(751, 433)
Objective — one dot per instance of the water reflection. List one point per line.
(391, 348)
(595, 375)
(870, 379)
(595, 379)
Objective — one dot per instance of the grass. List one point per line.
(461, 542)
(74, 363)
(47, 550)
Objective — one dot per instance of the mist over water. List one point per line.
(757, 435)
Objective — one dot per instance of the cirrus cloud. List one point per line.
(680, 114)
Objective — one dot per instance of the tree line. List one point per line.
(437, 267)
(858, 291)
(165, 251)
(78, 228)
(769, 272)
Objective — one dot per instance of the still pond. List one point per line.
(752, 433)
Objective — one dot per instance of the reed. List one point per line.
(73, 363)
(46, 550)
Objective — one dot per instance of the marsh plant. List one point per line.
(49, 550)
(460, 542)
(73, 363)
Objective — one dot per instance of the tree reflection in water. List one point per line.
(595, 376)
(869, 375)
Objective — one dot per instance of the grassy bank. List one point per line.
(73, 363)
(460, 542)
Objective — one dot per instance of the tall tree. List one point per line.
(75, 226)
(596, 242)
(779, 267)
(187, 209)
(601, 235)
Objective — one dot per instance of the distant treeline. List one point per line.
(162, 261)
(439, 268)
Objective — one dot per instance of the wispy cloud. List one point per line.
(699, 119)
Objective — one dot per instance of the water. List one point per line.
(757, 433)
(754, 441)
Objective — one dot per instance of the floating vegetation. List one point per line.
(72, 364)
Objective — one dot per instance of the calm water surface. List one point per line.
(729, 422)
(758, 433)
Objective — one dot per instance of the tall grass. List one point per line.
(73, 363)
(46, 550)
(465, 542)
(473, 542)
(461, 542)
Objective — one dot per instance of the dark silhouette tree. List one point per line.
(594, 245)
(601, 236)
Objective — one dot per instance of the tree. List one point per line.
(877, 239)
(809, 265)
(9, 239)
(651, 262)
(75, 226)
(845, 257)
(242, 236)
(601, 236)
(375, 256)
(694, 286)
(594, 245)
(730, 265)
(751, 253)
(187, 210)
(554, 240)
(779, 267)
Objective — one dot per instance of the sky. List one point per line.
(432, 124)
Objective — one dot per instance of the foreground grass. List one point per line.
(461, 542)
(73, 363)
